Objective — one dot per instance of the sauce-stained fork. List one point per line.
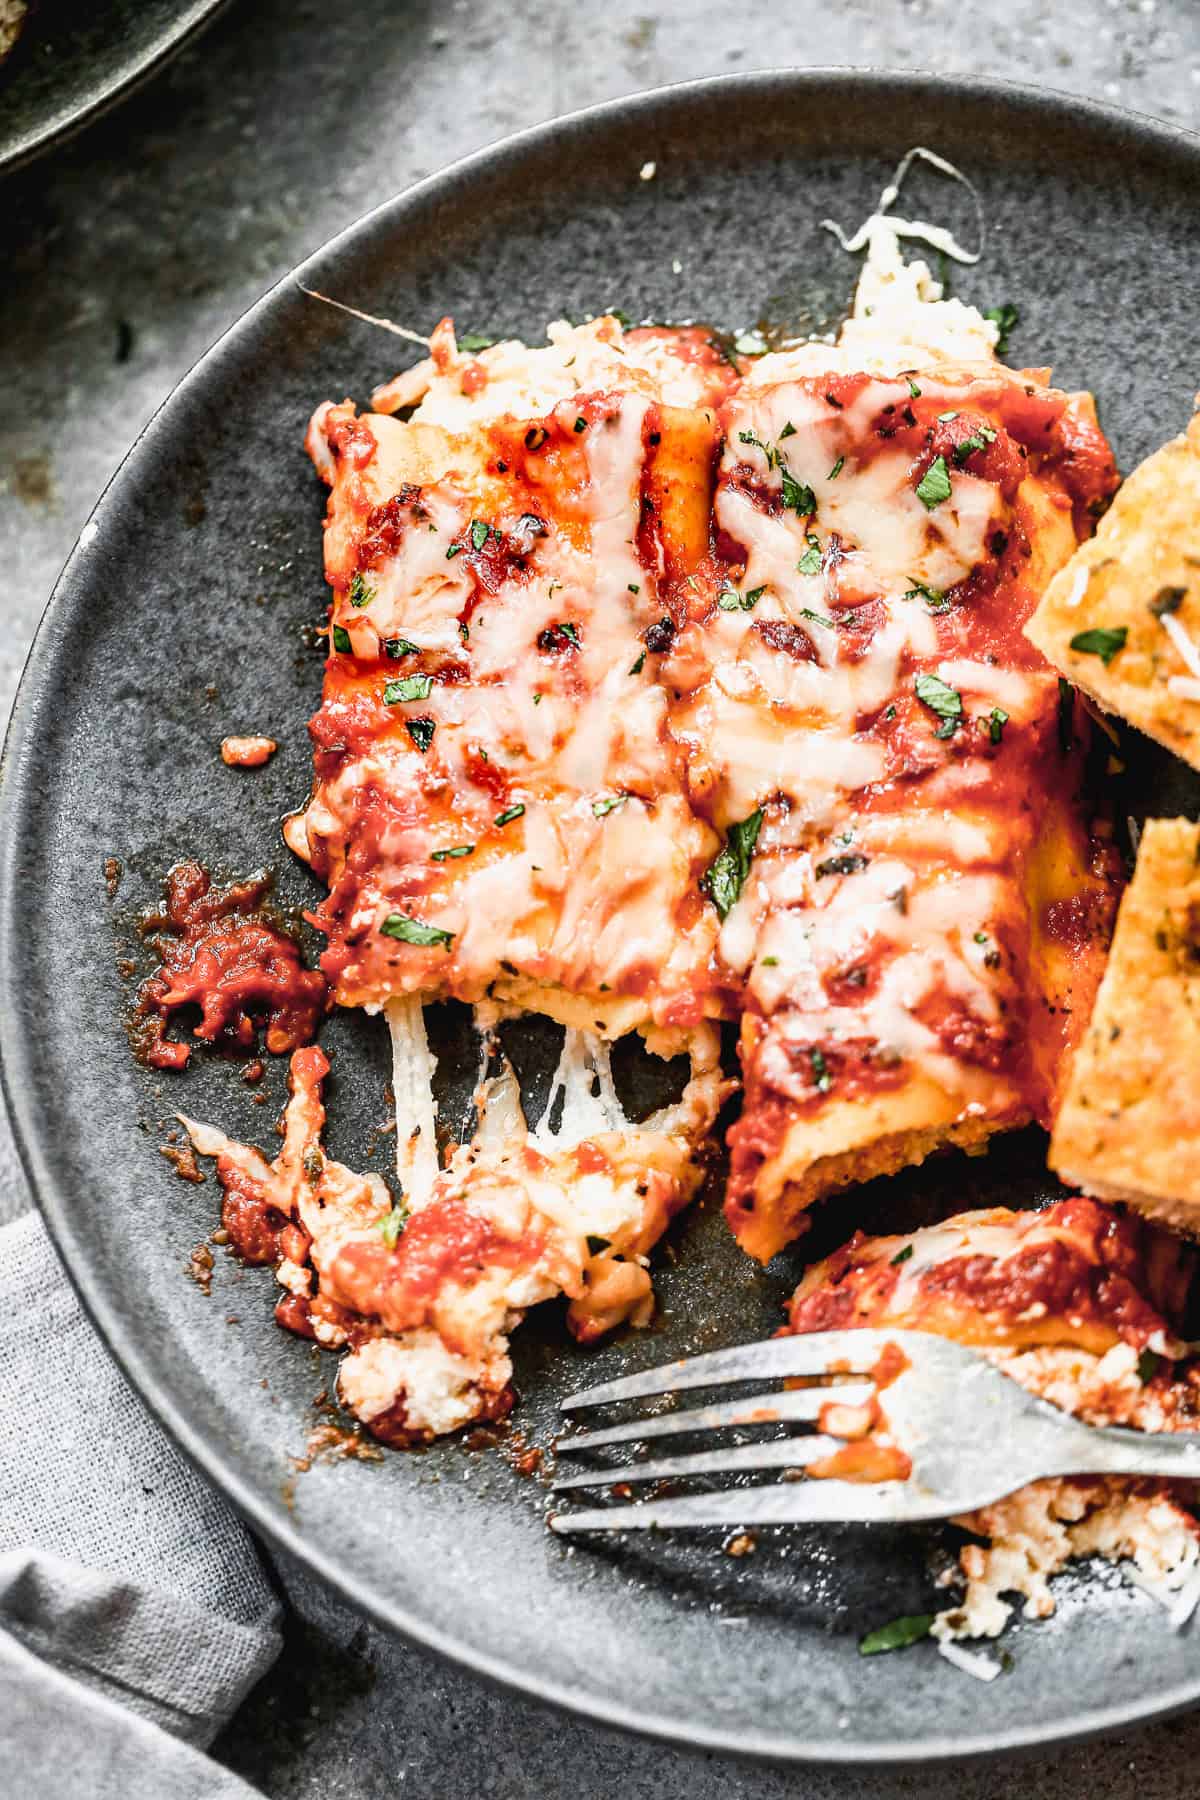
(969, 1432)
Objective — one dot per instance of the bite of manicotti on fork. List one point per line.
(1081, 1305)
(422, 1293)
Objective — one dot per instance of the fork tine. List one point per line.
(786, 1453)
(775, 1357)
(783, 1503)
(753, 1409)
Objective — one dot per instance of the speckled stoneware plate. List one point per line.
(75, 58)
(181, 617)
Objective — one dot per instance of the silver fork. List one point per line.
(972, 1433)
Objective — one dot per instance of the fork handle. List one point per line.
(1114, 1450)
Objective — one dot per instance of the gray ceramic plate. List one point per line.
(180, 617)
(75, 58)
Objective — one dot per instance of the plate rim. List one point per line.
(63, 124)
(18, 1082)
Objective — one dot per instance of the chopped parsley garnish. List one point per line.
(398, 647)
(842, 865)
(728, 870)
(822, 1079)
(634, 588)
(570, 632)
(944, 418)
(810, 562)
(898, 1635)
(997, 720)
(480, 533)
(411, 931)
(509, 814)
(407, 687)
(475, 340)
(729, 600)
(602, 808)
(1167, 600)
(454, 854)
(981, 937)
(788, 431)
(769, 962)
(815, 618)
(391, 1227)
(1066, 714)
(978, 440)
(341, 639)
(945, 701)
(421, 732)
(360, 593)
(902, 1256)
(913, 389)
(1148, 1365)
(934, 485)
(749, 437)
(934, 598)
(1102, 641)
(453, 551)
(1006, 318)
(537, 699)
(836, 470)
(581, 423)
(798, 497)
(639, 665)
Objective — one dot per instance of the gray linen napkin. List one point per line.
(123, 1576)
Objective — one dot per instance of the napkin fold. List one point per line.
(134, 1611)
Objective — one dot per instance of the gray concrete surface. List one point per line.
(124, 255)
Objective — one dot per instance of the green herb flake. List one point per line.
(421, 732)
(581, 423)
(798, 497)
(822, 1079)
(898, 1635)
(570, 632)
(398, 647)
(341, 640)
(1006, 318)
(749, 437)
(979, 440)
(634, 588)
(913, 389)
(391, 1227)
(945, 701)
(997, 720)
(471, 341)
(454, 854)
(360, 593)
(537, 699)
(788, 431)
(480, 533)
(454, 551)
(639, 665)
(411, 931)
(727, 872)
(1102, 641)
(981, 937)
(750, 343)
(769, 962)
(810, 562)
(1148, 1365)
(944, 418)
(842, 865)
(836, 470)
(407, 687)
(934, 598)
(729, 600)
(602, 808)
(509, 814)
(902, 1256)
(816, 618)
(934, 485)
